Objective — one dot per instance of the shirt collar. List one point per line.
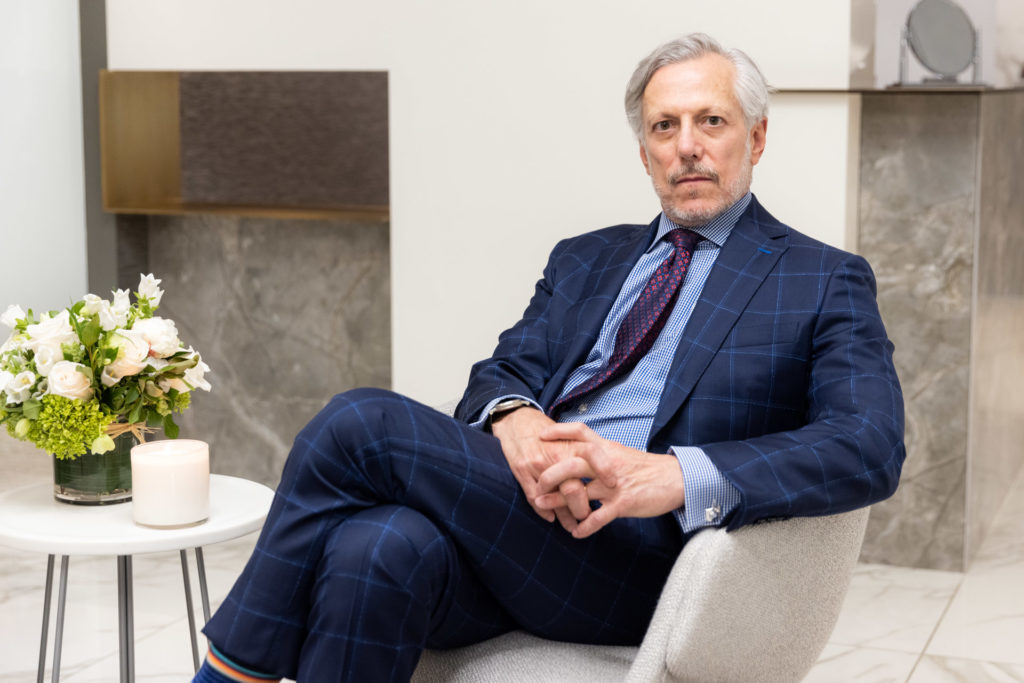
(715, 231)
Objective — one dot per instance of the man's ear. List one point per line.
(757, 140)
(643, 158)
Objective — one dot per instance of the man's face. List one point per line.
(696, 146)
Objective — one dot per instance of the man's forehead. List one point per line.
(708, 78)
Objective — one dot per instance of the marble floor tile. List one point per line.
(986, 618)
(844, 664)
(90, 652)
(893, 608)
(949, 670)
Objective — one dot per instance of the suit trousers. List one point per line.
(397, 528)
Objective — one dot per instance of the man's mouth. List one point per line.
(693, 175)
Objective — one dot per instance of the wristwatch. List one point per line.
(501, 408)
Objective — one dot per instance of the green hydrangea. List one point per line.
(65, 427)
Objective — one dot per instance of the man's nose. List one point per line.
(688, 144)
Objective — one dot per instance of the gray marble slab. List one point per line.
(286, 313)
(942, 222)
(917, 213)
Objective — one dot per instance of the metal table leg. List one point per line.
(201, 567)
(41, 672)
(190, 610)
(58, 639)
(126, 612)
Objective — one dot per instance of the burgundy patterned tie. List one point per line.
(644, 321)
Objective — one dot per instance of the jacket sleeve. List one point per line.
(520, 364)
(850, 451)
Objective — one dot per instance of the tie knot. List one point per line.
(683, 239)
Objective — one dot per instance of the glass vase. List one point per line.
(92, 479)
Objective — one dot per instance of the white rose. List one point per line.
(161, 335)
(13, 342)
(195, 376)
(132, 354)
(92, 304)
(53, 331)
(46, 357)
(12, 315)
(176, 383)
(5, 379)
(65, 380)
(19, 388)
(148, 289)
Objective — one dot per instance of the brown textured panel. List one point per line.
(300, 139)
(139, 138)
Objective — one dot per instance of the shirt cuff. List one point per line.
(710, 497)
(485, 413)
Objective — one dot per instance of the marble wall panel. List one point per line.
(917, 216)
(286, 313)
(996, 448)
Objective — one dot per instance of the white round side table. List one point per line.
(30, 519)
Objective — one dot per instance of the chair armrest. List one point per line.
(758, 603)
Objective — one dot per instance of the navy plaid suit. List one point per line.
(395, 528)
(784, 375)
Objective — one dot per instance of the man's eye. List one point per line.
(663, 125)
(715, 120)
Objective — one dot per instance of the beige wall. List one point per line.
(507, 130)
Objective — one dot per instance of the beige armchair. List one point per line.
(757, 605)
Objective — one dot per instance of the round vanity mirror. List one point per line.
(941, 36)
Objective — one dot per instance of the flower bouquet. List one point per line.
(91, 379)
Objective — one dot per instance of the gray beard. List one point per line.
(695, 217)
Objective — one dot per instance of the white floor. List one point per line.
(898, 624)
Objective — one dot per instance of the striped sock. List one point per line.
(219, 669)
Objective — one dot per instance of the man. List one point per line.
(713, 368)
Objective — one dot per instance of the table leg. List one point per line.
(189, 610)
(58, 638)
(46, 620)
(126, 618)
(203, 592)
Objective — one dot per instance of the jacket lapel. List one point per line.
(750, 253)
(607, 273)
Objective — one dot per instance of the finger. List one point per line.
(530, 489)
(565, 470)
(566, 519)
(576, 498)
(546, 515)
(550, 501)
(593, 448)
(594, 522)
(567, 431)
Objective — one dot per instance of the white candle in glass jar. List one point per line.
(171, 482)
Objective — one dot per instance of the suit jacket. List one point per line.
(784, 373)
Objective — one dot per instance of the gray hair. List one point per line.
(751, 89)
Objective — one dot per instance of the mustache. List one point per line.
(692, 169)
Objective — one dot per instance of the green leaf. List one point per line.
(170, 428)
(31, 408)
(90, 332)
(136, 414)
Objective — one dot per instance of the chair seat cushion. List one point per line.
(519, 657)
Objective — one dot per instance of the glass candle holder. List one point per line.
(171, 483)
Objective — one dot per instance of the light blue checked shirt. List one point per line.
(623, 411)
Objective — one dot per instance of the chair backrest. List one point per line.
(756, 604)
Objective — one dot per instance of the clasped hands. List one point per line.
(551, 461)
